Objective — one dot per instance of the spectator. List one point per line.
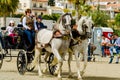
(104, 45)
(111, 47)
(117, 47)
(39, 25)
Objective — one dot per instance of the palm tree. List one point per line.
(8, 7)
(81, 7)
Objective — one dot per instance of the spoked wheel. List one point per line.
(1, 59)
(21, 62)
(52, 67)
(30, 57)
(1, 56)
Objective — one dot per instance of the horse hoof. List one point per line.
(44, 71)
(79, 79)
(40, 75)
(59, 78)
(82, 73)
(70, 76)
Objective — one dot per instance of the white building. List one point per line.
(23, 4)
(37, 6)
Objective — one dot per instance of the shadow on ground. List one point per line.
(100, 78)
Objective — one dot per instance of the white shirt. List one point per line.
(27, 27)
(10, 29)
(24, 23)
(106, 40)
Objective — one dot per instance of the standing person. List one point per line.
(104, 45)
(28, 24)
(10, 31)
(117, 47)
(111, 47)
(39, 25)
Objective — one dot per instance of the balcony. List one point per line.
(39, 8)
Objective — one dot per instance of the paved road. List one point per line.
(99, 70)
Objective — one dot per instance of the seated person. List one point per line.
(28, 25)
(117, 47)
(10, 31)
(104, 45)
(111, 47)
(38, 24)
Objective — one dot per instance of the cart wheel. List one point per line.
(1, 59)
(1, 56)
(52, 67)
(21, 62)
(30, 57)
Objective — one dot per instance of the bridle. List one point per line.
(85, 33)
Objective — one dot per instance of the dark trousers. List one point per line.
(30, 34)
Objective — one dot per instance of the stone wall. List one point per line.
(16, 20)
(48, 23)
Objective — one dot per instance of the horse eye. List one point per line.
(92, 26)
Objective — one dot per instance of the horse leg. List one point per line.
(46, 57)
(37, 59)
(69, 62)
(85, 62)
(60, 62)
(78, 65)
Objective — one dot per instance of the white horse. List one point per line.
(55, 45)
(79, 44)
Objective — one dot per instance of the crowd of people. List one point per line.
(111, 46)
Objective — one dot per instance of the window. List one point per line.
(25, 4)
(34, 4)
(20, 6)
(40, 5)
(35, 13)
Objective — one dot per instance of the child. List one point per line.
(10, 30)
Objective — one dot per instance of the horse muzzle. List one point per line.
(89, 34)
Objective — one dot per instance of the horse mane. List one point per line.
(58, 21)
(81, 20)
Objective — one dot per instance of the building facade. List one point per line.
(37, 6)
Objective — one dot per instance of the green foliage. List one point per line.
(66, 10)
(17, 15)
(51, 17)
(8, 6)
(117, 19)
(73, 12)
(116, 31)
(100, 18)
(51, 2)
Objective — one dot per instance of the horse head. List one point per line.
(64, 23)
(85, 26)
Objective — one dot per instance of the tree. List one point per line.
(117, 19)
(81, 7)
(8, 7)
(100, 18)
(51, 2)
